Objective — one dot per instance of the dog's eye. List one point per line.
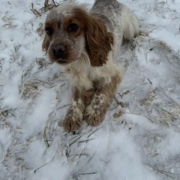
(73, 27)
(49, 31)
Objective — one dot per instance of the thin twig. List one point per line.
(46, 163)
(94, 132)
(63, 106)
(166, 173)
(23, 165)
(75, 140)
(91, 157)
(54, 2)
(82, 174)
(75, 176)
(45, 138)
(85, 140)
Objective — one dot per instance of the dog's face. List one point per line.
(70, 31)
(64, 40)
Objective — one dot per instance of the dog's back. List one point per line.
(119, 20)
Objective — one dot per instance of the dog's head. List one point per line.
(70, 31)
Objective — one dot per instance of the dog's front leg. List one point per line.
(96, 110)
(74, 115)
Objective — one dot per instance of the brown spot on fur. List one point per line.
(96, 111)
(109, 89)
(99, 40)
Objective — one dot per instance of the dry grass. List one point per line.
(47, 6)
(150, 97)
(40, 29)
(8, 22)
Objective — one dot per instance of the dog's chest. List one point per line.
(81, 77)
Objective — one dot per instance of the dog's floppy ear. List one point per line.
(45, 44)
(98, 41)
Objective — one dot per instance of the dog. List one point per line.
(87, 43)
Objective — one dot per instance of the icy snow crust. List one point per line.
(140, 136)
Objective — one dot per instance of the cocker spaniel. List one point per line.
(86, 44)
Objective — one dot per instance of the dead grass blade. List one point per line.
(35, 12)
(46, 163)
(48, 6)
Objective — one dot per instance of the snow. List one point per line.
(139, 138)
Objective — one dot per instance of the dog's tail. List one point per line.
(130, 24)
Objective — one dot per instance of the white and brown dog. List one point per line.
(87, 45)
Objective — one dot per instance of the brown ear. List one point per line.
(99, 42)
(45, 44)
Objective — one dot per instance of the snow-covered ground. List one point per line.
(140, 136)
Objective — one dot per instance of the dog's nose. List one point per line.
(58, 50)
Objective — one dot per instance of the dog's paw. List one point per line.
(94, 115)
(73, 120)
